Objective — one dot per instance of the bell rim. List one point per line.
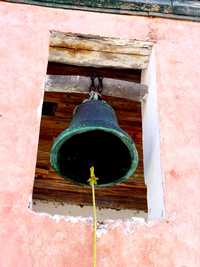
(68, 133)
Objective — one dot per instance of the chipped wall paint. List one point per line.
(30, 239)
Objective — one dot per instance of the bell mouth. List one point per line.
(112, 153)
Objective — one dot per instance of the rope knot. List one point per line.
(93, 179)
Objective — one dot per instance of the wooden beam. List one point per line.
(131, 75)
(96, 51)
(96, 59)
(99, 43)
(81, 84)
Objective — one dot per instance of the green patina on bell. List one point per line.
(94, 138)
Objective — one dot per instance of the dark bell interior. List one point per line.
(103, 150)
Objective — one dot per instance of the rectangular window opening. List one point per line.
(55, 195)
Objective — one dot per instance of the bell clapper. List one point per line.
(92, 182)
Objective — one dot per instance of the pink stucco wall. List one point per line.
(29, 239)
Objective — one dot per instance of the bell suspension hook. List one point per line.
(96, 87)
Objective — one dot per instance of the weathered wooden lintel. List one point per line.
(98, 51)
(81, 84)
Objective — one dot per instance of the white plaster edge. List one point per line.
(57, 218)
(89, 219)
(127, 226)
(151, 144)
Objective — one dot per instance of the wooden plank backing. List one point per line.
(49, 186)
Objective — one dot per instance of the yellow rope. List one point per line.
(93, 181)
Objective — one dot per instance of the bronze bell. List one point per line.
(94, 138)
